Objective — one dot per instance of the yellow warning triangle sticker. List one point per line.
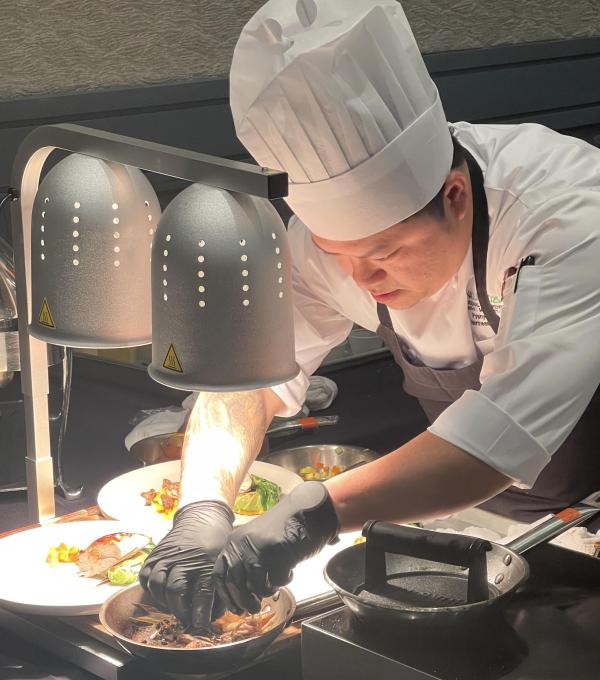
(45, 318)
(172, 360)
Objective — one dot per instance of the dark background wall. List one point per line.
(63, 46)
(556, 83)
(156, 69)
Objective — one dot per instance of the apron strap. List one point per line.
(383, 313)
(391, 339)
(479, 239)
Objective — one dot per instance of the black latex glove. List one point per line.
(259, 556)
(178, 572)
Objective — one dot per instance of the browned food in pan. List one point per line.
(159, 629)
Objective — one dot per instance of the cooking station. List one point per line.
(337, 95)
(404, 617)
(551, 628)
(373, 413)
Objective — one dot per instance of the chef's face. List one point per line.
(413, 259)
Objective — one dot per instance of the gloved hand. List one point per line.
(259, 556)
(178, 572)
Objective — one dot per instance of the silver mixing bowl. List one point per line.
(328, 454)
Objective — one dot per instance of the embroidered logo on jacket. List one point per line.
(476, 315)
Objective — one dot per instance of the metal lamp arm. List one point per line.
(159, 158)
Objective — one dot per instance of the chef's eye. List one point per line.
(386, 257)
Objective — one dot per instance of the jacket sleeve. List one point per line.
(545, 364)
(318, 326)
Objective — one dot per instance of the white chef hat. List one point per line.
(336, 94)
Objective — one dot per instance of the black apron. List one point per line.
(574, 470)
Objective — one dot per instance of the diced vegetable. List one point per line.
(165, 500)
(62, 553)
(320, 472)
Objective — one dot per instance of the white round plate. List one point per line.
(121, 497)
(30, 585)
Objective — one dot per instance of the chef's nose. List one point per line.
(365, 272)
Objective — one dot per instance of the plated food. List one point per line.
(115, 558)
(41, 584)
(256, 496)
(122, 497)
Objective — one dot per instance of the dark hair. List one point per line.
(435, 207)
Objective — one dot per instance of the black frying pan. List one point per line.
(406, 574)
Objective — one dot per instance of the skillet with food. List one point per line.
(131, 617)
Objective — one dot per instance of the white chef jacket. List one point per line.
(542, 368)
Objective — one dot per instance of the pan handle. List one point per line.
(301, 425)
(557, 524)
(455, 549)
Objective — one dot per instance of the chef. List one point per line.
(472, 250)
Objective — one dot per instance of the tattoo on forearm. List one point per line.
(231, 426)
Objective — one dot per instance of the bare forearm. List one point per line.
(427, 477)
(224, 435)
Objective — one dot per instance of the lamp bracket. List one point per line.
(214, 171)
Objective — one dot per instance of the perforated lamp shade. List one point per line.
(221, 293)
(91, 233)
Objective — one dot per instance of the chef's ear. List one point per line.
(457, 195)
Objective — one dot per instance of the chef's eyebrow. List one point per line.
(377, 251)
